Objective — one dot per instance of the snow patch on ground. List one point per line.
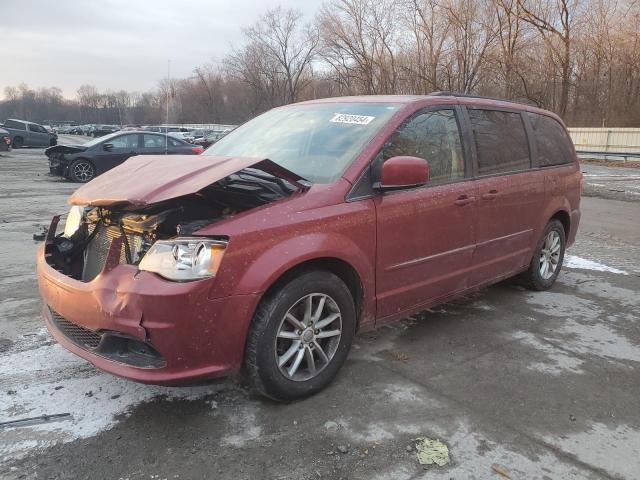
(39, 378)
(244, 423)
(573, 261)
(620, 454)
(557, 361)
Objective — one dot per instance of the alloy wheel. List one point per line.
(550, 255)
(308, 337)
(83, 172)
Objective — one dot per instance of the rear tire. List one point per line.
(547, 258)
(82, 171)
(300, 336)
(17, 142)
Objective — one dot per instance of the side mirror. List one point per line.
(403, 172)
(107, 147)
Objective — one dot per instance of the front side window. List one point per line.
(552, 140)
(501, 141)
(316, 141)
(125, 141)
(434, 136)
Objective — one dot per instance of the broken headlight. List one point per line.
(187, 258)
(74, 219)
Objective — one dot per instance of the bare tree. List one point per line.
(554, 20)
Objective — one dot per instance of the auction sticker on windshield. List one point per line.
(346, 118)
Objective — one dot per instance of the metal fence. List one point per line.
(620, 143)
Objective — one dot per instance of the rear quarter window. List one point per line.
(552, 141)
(501, 141)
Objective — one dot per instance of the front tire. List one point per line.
(82, 170)
(300, 336)
(547, 258)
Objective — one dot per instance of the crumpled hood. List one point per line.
(147, 179)
(64, 149)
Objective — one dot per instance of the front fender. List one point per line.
(265, 270)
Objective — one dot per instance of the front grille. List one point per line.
(82, 337)
(98, 249)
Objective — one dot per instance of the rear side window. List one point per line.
(434, 136)
(552, 140)
(153, 141)
(14, 124)
(125, 141)
(501, 141)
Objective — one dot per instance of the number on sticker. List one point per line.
(347, 118)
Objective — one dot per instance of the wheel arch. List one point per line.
(564, 218)
(339, 267)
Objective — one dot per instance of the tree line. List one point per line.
(579, 58)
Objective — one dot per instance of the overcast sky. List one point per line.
(120, 44)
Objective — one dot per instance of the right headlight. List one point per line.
(74, 219)
(183, 259)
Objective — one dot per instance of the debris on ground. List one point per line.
(432, 451)
(41, 234)
(500, 470)
(343, 449)
(23, 422)
(397, 356)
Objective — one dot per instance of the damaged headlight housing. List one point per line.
(74, 219)
(183, 259)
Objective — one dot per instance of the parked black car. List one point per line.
(81, 163)
(5, 140)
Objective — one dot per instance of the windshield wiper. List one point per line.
(285, 187)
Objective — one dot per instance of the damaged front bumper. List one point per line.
(137, 325)
(58, 167)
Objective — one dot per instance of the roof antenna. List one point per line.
(166, 133)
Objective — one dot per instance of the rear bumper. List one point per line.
(194, 337)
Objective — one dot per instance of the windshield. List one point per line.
(98, 140)
(316, 141)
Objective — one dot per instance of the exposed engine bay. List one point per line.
(81, 252)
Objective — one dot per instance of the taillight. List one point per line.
(7, 140)
(197, 150)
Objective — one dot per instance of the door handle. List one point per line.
(464, 200)
(490, 195)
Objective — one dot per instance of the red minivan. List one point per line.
(307, 224)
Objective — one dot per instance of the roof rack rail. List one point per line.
(466, 95)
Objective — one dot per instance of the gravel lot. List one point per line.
(537, 385)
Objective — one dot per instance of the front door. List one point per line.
(38, 136)
(122, 147)
(426, 235)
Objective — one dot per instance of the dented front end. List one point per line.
(107, 302)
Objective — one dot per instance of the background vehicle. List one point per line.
(28, 134)
(81, 163)
(100, 130)
(369, 210)
(5, 140)
(210, 139)
(186, 136)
